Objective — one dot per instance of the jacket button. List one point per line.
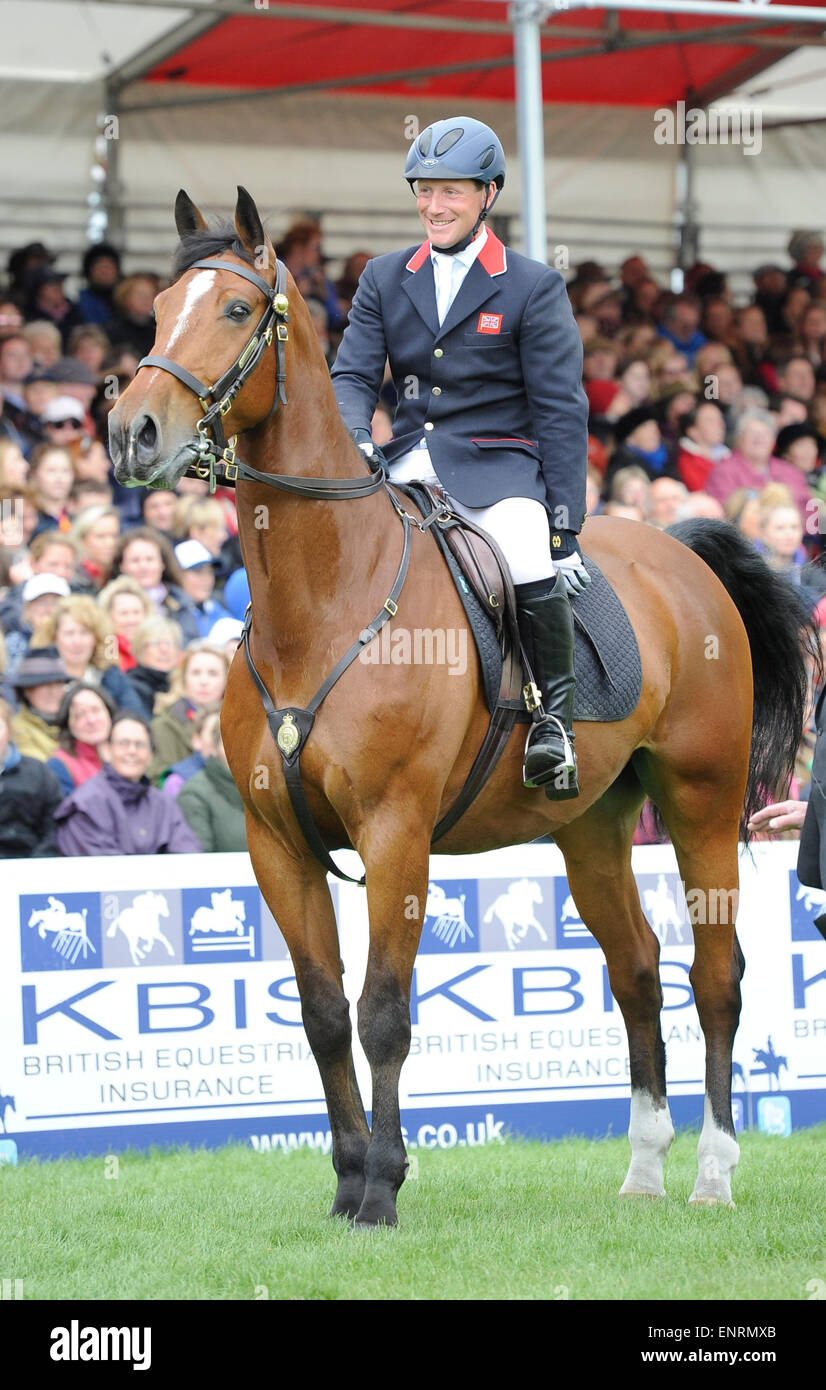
(428, 424)
(438, 352)
(437, 391)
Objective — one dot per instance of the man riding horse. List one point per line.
(487, 363)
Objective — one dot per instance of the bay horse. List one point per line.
(391, 747)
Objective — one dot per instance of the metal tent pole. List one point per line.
(527, 17)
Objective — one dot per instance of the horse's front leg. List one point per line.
(396, 894)
(297, 894)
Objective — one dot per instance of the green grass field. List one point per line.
(517, 1220)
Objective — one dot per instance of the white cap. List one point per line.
(62, 408)
(41, 584)
(192, 553)
(225, 630)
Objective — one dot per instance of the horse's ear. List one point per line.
(188, 218)
(248, 224)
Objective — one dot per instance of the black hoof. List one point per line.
(348, 1199)
(377, 1211)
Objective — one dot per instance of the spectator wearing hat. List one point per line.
(118, 811)
(45, 299)
(29, 796)
(77, 380)
(198, 571)
(39, 685)
(64, 425)
(227, 632)
(38, 391)
(157, 646)
(639, 441)
(210, 799)
(799, 445)
(752, 464)
(40, 596)
(84, 721)
(237, 593)
(702, 443)
(22, 261)
(51, 475)
(101, 271)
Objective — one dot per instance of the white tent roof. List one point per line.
(611, 188)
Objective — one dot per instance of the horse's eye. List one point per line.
(238, 312)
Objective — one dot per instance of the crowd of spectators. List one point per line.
(120, 609)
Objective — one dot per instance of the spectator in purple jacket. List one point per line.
(118, 811)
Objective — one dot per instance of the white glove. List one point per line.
(574, 573)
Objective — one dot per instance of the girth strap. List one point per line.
(290, 727)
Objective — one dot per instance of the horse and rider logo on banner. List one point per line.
(83, 931)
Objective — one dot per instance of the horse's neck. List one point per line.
(312, 564)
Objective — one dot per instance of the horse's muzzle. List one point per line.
(136, 448)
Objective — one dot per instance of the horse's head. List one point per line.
(205, 321)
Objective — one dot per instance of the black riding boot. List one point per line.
(546, 626)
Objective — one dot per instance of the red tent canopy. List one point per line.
(463, 50)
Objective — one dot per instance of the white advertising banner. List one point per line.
(152, 1000)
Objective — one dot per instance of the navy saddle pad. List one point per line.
(606, 659)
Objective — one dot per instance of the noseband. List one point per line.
(216, 401)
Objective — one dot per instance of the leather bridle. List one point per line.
(216, 401)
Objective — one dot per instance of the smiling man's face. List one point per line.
(449, 208)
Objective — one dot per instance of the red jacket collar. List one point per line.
(492, 256)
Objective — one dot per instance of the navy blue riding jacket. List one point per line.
(496, 390)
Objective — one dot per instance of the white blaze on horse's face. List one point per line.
(198, 286)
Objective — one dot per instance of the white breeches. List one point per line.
(519, 525)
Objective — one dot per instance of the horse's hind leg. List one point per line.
(299, 899)
(597, 850)
(702, 816)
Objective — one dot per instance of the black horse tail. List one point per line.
(785, 652)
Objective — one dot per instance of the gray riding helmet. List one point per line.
(458, 148)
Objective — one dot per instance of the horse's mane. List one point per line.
(199, 246)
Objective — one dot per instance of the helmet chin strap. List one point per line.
(466, 240)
